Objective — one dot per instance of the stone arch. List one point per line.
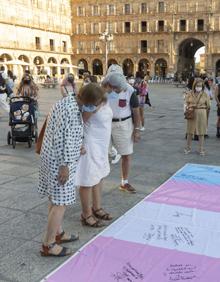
(64, 61)
(161, 68)
(38, 62)
(217, 68)
(112, 62)
(52, 60)
(97, 67)
(24, 58)
(144, 66)
(83, 66)
(186, 52)
(128, 67)
(5, 57)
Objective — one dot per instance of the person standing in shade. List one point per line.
(125, 123)
(200, 101)
(68, 86)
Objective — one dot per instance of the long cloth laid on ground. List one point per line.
(172, 235)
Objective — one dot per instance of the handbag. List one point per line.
(40, 138)
(190, 112)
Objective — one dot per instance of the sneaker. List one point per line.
(187, 151)
(142, 128)
(127, 188)
(116, 159)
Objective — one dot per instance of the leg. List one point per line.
(85, 197)
(125, 166)
(96, 196)
(188, 143)
(98, 211)
(218, 127)
(201, 144)
(87, 217)
(142, 116)
(3, 102)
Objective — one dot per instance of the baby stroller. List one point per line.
(23, 122)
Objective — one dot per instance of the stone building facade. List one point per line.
(158, 37)
(38, 33)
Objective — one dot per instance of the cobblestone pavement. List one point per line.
(23, 213)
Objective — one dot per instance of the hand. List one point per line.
(82, 150)
(63, 175)
(136, 136)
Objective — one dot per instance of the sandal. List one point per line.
(103, 215)
(96, 224)
(72, 238)
(45, 251)
(187, 151)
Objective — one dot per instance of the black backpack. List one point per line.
(2, 84)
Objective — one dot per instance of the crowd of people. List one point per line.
(91, 127)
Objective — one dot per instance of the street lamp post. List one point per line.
(106, 37)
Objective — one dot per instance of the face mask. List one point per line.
(70, 80)
(89, 108)
(113, 95)
(198, 89)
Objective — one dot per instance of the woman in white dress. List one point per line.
(94, 164)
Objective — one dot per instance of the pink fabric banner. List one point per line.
(172, 235)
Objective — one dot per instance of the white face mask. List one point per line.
(198, 89)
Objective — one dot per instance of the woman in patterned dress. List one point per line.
(59, 156)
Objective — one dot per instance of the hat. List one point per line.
(115, 68)
(115, 79)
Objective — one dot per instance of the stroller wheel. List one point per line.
(13, 143)
(9, 138)
(29, 143)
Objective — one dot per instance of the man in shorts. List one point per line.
(125, 123)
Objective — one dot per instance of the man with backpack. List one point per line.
(3, 90)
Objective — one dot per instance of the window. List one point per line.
(160, 25)
(127, 27)
(127, 9)
(109, 27)
(111, 9)
(143, 26)
(64, 46)
(51, 44)
(95, 10)
(143, 46)
(95, 46)
(160, 45)
(200, 25)
(143, 8)
(111, 46)
(80, 28)
(37, 43)
(80, 11)
(80, 45)
(95, 28)
(182, 25)
(161, 7)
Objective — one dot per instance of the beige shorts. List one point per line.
(121, 137)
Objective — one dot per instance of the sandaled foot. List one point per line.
(54, 250)
(102, 214)
(187, 151)
(91, 221)
(65, 238)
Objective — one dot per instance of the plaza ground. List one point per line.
(23, 213)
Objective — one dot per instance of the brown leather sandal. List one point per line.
(103, 216)
(72, 238)
(96, 224)
(45, 251)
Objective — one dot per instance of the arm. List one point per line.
(63, 91)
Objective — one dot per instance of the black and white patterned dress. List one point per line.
(61, 146)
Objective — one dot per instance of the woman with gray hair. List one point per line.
(125, 123)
